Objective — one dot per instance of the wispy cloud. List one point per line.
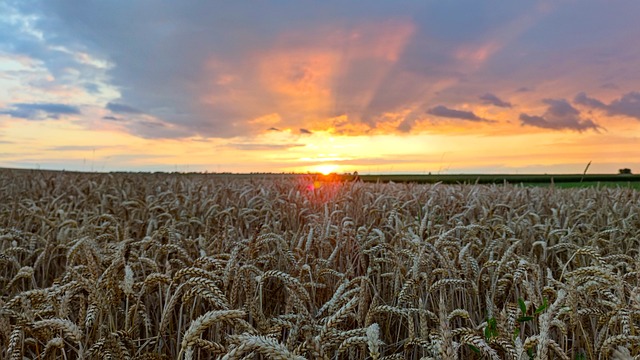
(560, 115)
(262, 146)
(583, 99)
(39, 111)
(122, 109)
(524, 89)
(492, 99)
(77, 148)
(443, 111)
(609, 86)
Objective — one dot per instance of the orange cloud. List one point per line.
(385, 40)
(317, 79)
(477, 55)
(306, 76)
(299, 79)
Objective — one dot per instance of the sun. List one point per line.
(326, 169)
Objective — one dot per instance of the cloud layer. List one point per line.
(230, 69)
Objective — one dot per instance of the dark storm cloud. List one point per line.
(122, 109)
(627, 105)
(560, 115)
(444, 111)
(39, 111)
(491, 99)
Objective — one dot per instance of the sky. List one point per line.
(372, 86)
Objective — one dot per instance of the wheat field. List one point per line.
(168, 266)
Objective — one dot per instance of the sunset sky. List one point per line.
(370, 86)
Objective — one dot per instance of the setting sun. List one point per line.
(326, 169)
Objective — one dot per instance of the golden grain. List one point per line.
(159, 266)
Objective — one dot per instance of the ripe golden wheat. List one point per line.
(166, 266)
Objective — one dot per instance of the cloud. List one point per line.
(491, 99)
(122, 109)
(306, 63)
(583, 99)
(281, 59)
(258, 146)
(77, 148)
(149, 127)
(405, 126)
(39, 111)
(446, 112)
(627, 105)
(112, 118)
(305, 132)
(560, 115)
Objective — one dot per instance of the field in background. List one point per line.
(562, 180)
(169, 266)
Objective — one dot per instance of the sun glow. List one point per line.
(326, 169)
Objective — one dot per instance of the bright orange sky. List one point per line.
(470, 87)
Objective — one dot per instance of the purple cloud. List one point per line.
(560, 115)
(583, 99)
(443, 111)
(39, 111)
(111, 118)
(122, 109)
(627, 105)
(491, 99)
